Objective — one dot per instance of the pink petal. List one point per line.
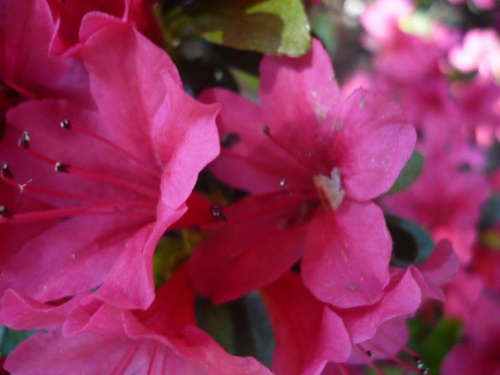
(250, 161)
(350, 248)
(70, 258)
(26, 28)
(260, 241)
(130, 280)
(308, 334)
(296, 92)
(370, 142)
(402, 297)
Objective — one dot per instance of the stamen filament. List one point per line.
(306, 165)
(66, 124)
(93, 175)
(102, 209)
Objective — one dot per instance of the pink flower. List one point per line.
(95, 338)
(479, 353)
(26, 28)
(310, 333)
(68, 16)
(313, 165)
(480, 52)
(445, 201)
(111, 181)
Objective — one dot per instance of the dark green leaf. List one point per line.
(409, 173)
(439, 342)
(411, 244)
(10, 339)
(242, 327)
(267, 26)
(490, 212)
(217, 322)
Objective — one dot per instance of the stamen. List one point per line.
(65, 168)
(306, 164)
(61, 168)
(102, 209)
(68, 125)
(229, 140)
(35, 189)
(5, 213)
(25, 140)
(6, 172)
(217, 211)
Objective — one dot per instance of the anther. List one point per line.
(4, 212)
(230, 140)
(425, 371)
(60, 167)
(65, 124)
(283, 183)
(6, 172)
(369, 353)
(217, 211)
(266, 129)
(25, 140)
(417, 359)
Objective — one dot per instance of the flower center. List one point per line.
(329, 189)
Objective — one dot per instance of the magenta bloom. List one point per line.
(310, 333)
(479, 353)
(111, 181)
(97, 338)
(312, 165)
(445, 201)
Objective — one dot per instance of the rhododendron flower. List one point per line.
(26, 28)
(446, 210)
(112, 180)
(313, 165)
(310, 333)
(480, 52)
(97, 338)
(479, 353)
(68, 16)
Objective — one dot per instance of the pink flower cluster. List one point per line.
(101, 148)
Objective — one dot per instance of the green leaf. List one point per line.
(10, 339)
(439, 342)
(409, 173)
(411, 244)
(267, 26)
(241, 327)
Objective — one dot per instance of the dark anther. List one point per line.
(369, 353)
(2, 127)
(417, 359)
(217, 211)
(425, 371)
(283, 183)
(266, 129)
(65, 124)
(60, 167)
(4, 212)
(229, 140)
(24, 141)
(6, 172)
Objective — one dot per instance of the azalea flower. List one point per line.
(109, 181)
(95, 337)
(310, 333)
(312, 165)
